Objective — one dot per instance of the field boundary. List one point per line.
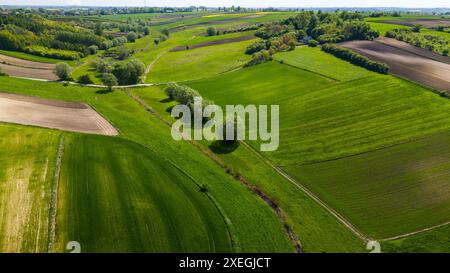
(415, 232)
(292, 237)
(54, 197)
(294, 182)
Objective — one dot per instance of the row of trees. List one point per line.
(433, 43)
(355, 58)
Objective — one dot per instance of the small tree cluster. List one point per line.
(63, 71)
(259, 58)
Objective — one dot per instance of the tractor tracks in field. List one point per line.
(264, 197)
(294, 182)
(54, 197)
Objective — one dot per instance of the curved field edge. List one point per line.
(117, 196)
(317, 230)
(254, 226)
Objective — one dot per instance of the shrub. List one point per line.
(258, 58)
(109, 80)
(123, 53)
(211, 31)
(156, 41)
(355, 58)
(63, 71)
(128, 72)
(313, 43)
(52, 53)
(93, 49)
(165, 32)
(85, 79)
(255, 47)
(131, 37)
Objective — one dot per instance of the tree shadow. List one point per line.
(103, 91)
(224, 147)
(166, 100)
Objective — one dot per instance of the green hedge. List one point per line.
(355, 58)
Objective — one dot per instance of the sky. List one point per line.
(242, 3)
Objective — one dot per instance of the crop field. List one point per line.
(200, 62)
(254, 227)
(27, 160)
(404, 190)
(321, 119)
(407, 64)
(133, 201)
(362, 155)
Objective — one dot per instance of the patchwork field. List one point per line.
(406, 188)
(27, 160)
(321, 119)
(405, 63)
(254, 226)
(69, 116)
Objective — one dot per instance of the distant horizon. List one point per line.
(399, 4)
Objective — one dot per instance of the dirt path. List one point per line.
(54, 197)
(294, 182)
(415, 232)
(68, 116)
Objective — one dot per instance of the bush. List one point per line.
(355, 58)
(85, 79)
(109, 80)
(313, 43)
(63, 71)
(156, 41)
(123, 53)
(128, 72)
(52, 53)
(211, 31)
(255, 47)
(93, 49)
(259, 58)
(165, 32)
(131, 37)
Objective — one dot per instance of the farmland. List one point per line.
(362, 155)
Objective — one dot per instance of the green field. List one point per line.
(198, 63)
(254, 227)
(322, 120)
(315, 60)
(27, 160)
(133, 201)
(317, 230)
(406, 188)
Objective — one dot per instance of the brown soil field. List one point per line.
(406, 64)
(423, 22)
(24, 63)
(67, 116)
(22, 68)
(35, 73)
(212, 43)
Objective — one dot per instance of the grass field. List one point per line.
(322, 120)
(27, 160)
(133, 201)
(254, 227)
(315, 60)
(436, 240)
(198, 63)
(317, 230)
(406, 187)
